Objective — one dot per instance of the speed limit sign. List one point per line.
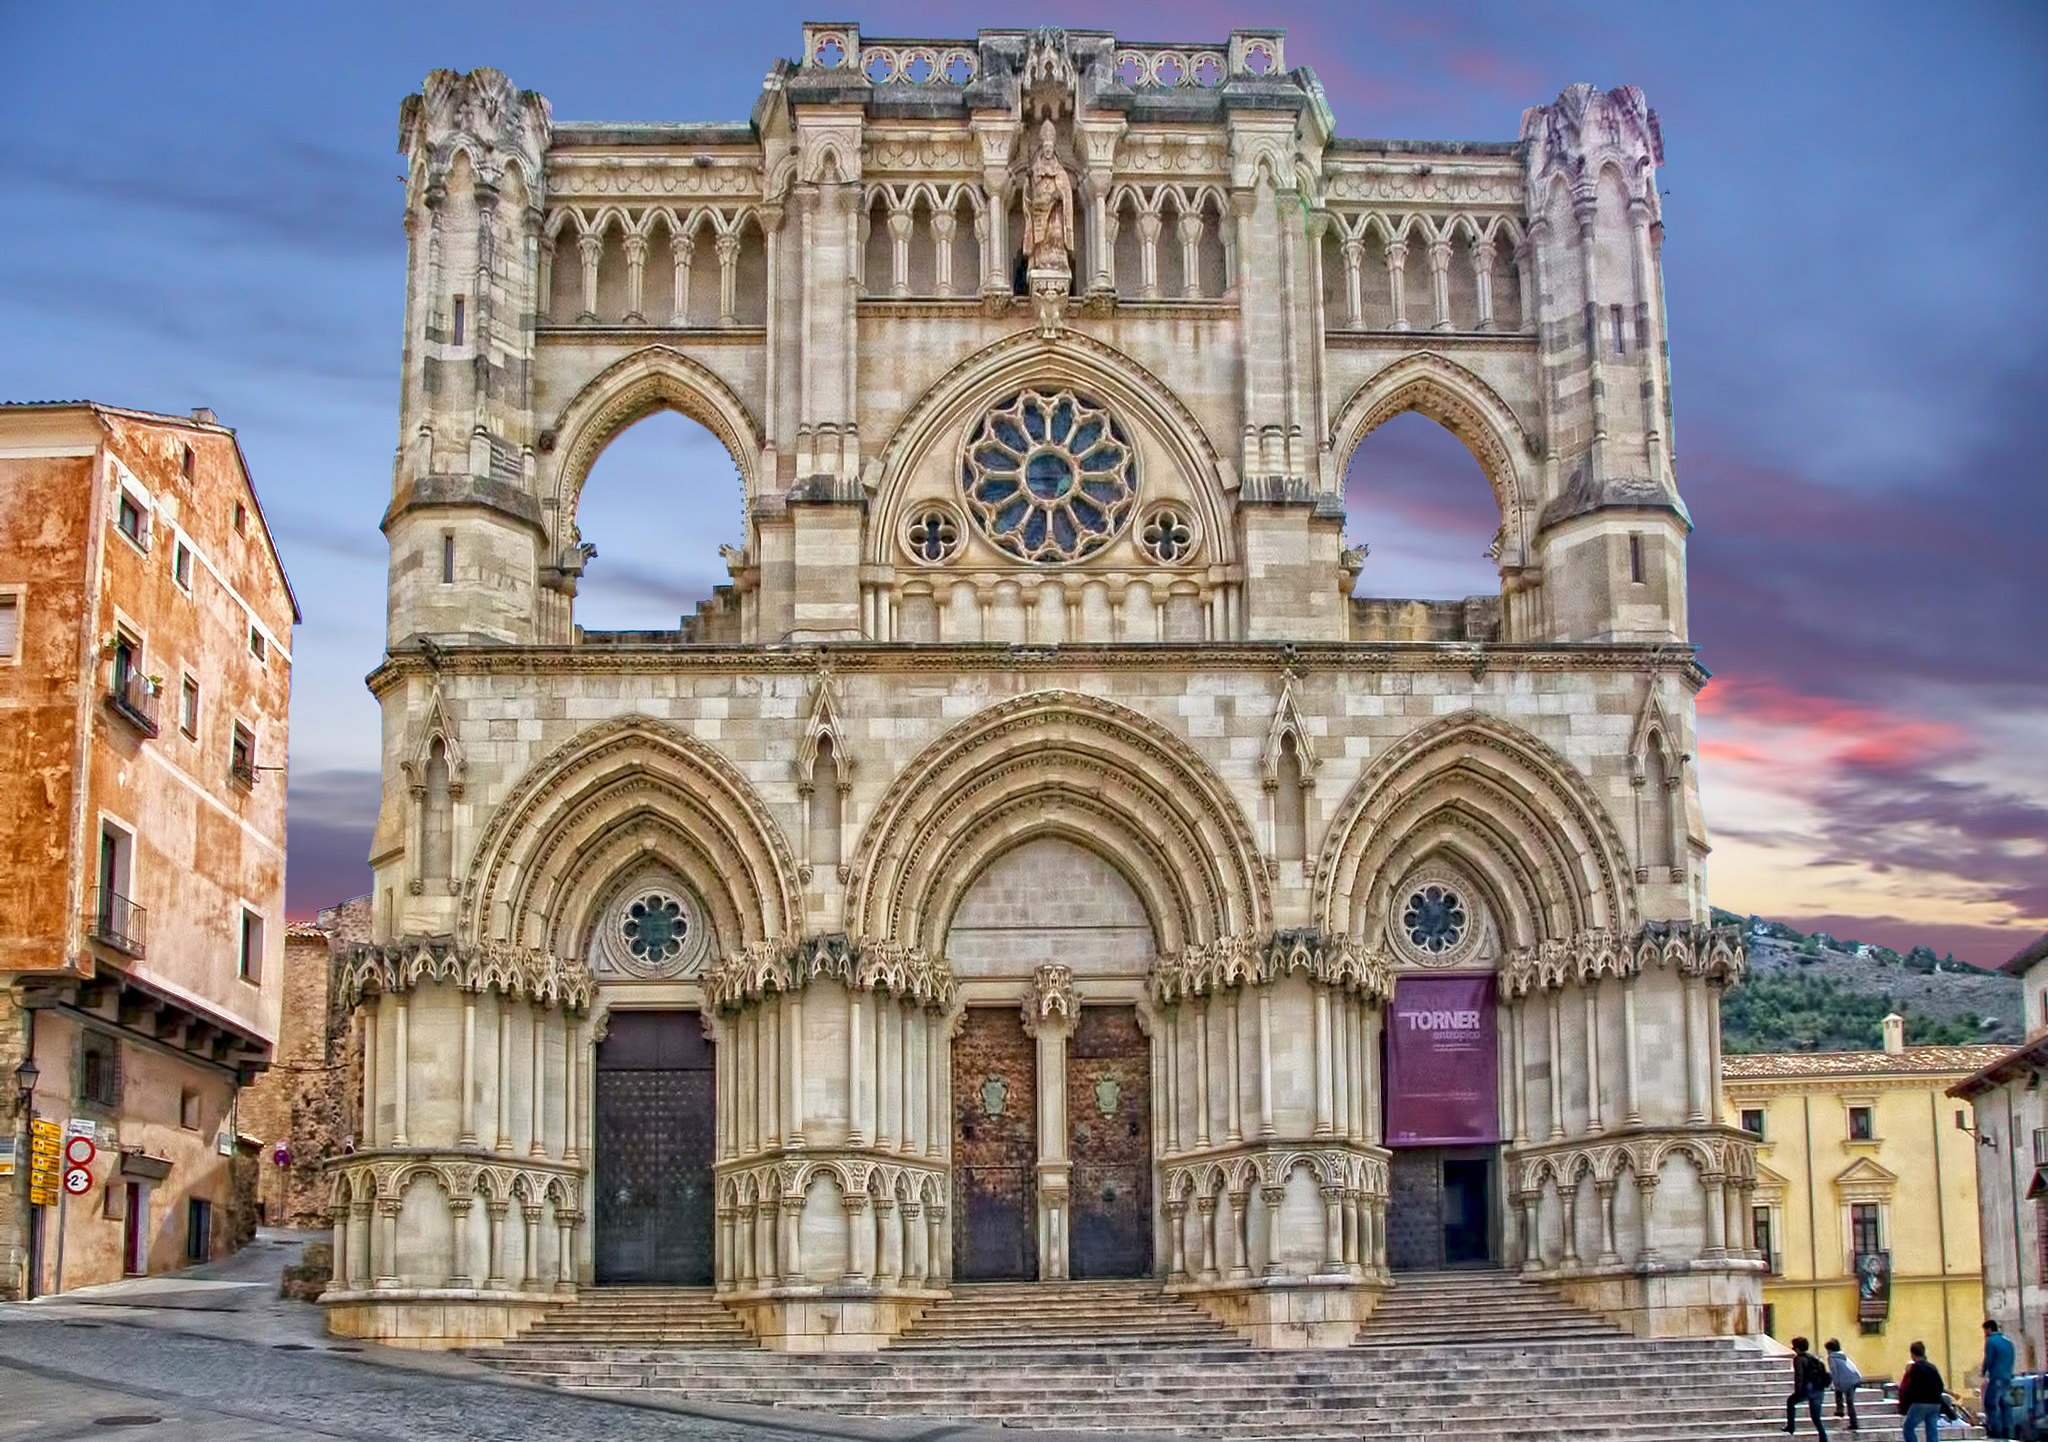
(79, 1151)
(77, 1181)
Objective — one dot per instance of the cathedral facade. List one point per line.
(1036, 863)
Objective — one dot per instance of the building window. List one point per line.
(1620, 332)
(185, 462)
(242, 755)
(252, 947)
(241, 518)
(1862, 1125)
(10, 626)
(99, 1071)
(188, 1109)
(2041, 1234)
(198, 1230)
(447, 558)
(181, 566)
(460, 318)
(1865, 1235)
(131, 517)
(1770, 1319)
(117, 921)
(258, 647)
(2041, 1146)
(1635, 559)
(1760, 1236)
(1753, 1121)
(188, 707)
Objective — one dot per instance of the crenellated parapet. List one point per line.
(1235, 962)
(765, 969)
(515, 972)
(1717, 954)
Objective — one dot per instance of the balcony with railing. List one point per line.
(133, 697)
(118, 923)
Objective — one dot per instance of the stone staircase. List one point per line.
(1471, 1355)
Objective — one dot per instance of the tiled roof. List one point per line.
(1931, 1060)
(2028, 955)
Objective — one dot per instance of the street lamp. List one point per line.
(25, 1077)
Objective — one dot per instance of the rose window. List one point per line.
(1434, 918)
(654, 928)
(1049, 477)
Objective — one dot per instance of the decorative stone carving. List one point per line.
(1051, 1001)
(764, 968)
(517, 972)
(1234, 962)
(1717, 953)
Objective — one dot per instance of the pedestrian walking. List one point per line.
(1997, 1370)
(1809, 1386)
(1845, 1379)
(1920, 1396)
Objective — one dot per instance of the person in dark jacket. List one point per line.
(1809, 1385)
(1920, 1392)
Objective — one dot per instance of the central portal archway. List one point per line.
(655, 1113)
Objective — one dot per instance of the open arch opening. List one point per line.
(1419, 498)
(658, 504)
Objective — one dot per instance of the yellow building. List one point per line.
(1861, 1159)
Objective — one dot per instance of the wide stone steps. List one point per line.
(685, 1316)
(1487, 1357)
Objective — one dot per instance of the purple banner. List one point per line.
(1443, 1063)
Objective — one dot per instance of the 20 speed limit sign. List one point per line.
(77, 1181)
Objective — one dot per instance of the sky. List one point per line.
(204, 209)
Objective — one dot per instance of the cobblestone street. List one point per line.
(213, 1354)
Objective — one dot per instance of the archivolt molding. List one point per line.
(528, 862)
(1059, 762)
(632, 388)
(1141, 401)
(1523, 804)
(1455, 398)
(1234, 962)
(516, 972)
(764, 968)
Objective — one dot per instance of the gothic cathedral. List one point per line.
(1036, 863)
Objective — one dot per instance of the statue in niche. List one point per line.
(1050, 201)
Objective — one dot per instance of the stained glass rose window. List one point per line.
(1049, 476)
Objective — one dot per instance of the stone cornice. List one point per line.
(856, 657)
(767, 968)
(1719, 954)
(514, 971)
(1234, 962)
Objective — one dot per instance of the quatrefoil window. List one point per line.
(932, 535)
(1049, 476)
(1167, 535)
(654, 927)
(1434, 918)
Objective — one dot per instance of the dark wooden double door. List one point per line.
(1440, 1211)
(656, 1109)
(995, 1146)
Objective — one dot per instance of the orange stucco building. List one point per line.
(145, 676)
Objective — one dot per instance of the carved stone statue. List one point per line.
(1050, 198)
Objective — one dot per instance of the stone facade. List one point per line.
(1036, 788)
(145, 671)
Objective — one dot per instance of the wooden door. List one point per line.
(656, 1107)
(1415, 1210)
(995, 1148)
(1109, 1107)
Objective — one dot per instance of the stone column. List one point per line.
(888, 1244)
(636, 277)
(494, 1242)
(1333, 1229)
(856, 1110)
(1265, 1062)
(1532, 1230)
(565, 1266)
(1695, 1069)
(1240, 1220)
(1440, 281)
(790, 1213)
(728, 250)
(572, 1094)
(1717, 1216)
(1051, 1009)
(503, 1144)
(1234, 1052)
(1202, 1074)
(1646, 1193)
(1177, 1239)
(1595, 1125)
(1631, 1068)
(369, 1130)
(679, 249)
(344, 1252)
(537, 1144)
(1205, 1210)
(885, 1063)
(530, 1282)
(860, 1241)
(384, 1255)
(1397, 264)
(1605, 1191)
(914, 1256)
(1274, 1196)
(1568, 1199)
(467, 1136)
(589, 248)
(401, 1067)
(1556, 1088)
(1483, 257)
(793, 1059)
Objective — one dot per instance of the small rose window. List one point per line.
(1049, 476)
(1434, 918)
(654, 927)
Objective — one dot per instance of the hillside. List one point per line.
(1822, 993)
